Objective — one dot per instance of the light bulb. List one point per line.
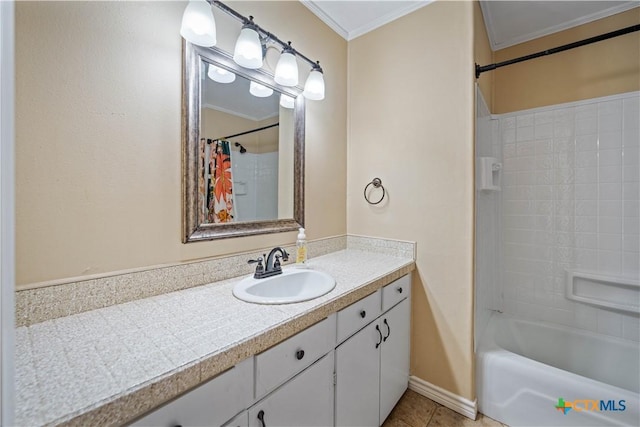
(248, 50)
(220, 75)
(287, 69)
(314, 86)
(198, 26)
(286, 101)
(256, 89)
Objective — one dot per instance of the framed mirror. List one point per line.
(242, 150)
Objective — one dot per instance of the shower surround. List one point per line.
(570, 201)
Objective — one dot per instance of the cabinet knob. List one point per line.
(399, 290)
(299, 354)
(363, 314)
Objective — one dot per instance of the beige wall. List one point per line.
(98, 97)
(483, 54)
(604, 68)
(411, 94)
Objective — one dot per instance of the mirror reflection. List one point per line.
(243, 149)
(246, 149)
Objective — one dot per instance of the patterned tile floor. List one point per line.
(414, 410)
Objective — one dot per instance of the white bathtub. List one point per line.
(523, 368)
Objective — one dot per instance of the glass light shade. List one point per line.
(314, 86)
(287, 70)
(256, 89)
(220, 75)
(248, 51)
(286, 101)
(198, 26)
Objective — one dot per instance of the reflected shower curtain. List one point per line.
(220, 200)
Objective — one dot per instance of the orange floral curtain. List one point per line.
(221, 184)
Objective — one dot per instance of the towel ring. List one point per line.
(377, 183)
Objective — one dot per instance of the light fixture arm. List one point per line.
(266, 34)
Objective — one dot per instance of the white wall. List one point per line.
(488, 231)
(570, 201)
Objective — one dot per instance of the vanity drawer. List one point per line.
(358, 315)
(279, 363)
(395, 292)
(210, 404)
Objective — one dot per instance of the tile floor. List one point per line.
(414, 410)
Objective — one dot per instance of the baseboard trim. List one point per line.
(452, 401)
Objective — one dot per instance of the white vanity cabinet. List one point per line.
(305, 400)
(210, 404)
(240, 420)
(372, 366)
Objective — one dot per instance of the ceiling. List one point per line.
(508, 22)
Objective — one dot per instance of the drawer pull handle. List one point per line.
(388, 330)
(363, 314)
(261, 418)
(299, 354)
(379, 333)
(399, 290)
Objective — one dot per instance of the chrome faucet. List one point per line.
(272, 264)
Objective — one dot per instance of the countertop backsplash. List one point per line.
(46, 301)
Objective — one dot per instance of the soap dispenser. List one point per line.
(301, 249)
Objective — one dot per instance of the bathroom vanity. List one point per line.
(357, 358)
(200, 356)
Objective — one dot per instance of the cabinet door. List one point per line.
(240, 420)
(210, 404)
(357, 378)
(305, 400)
(394, 356)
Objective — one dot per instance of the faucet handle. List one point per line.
(259, 268)
(285, 255)
(276, 263)
(253, 261)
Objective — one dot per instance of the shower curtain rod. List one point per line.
(490, 67)
(209, 141)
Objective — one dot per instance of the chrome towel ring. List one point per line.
(377, 183)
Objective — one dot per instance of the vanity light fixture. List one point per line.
(220, 75)
(251, 46)
(248, 51)
(286, 101)
(198, 25)
(256, 89)
(287, 68)
(314, 86)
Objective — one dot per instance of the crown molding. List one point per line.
(370, 26)
(385, 19)
(313, 7)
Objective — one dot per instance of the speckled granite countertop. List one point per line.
(108, 366)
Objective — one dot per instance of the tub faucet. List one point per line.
(272, 264)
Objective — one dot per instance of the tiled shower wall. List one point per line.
(570, 201)
(487, 256)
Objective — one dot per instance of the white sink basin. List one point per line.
(293, 285)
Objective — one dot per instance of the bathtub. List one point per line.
(523, 368)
